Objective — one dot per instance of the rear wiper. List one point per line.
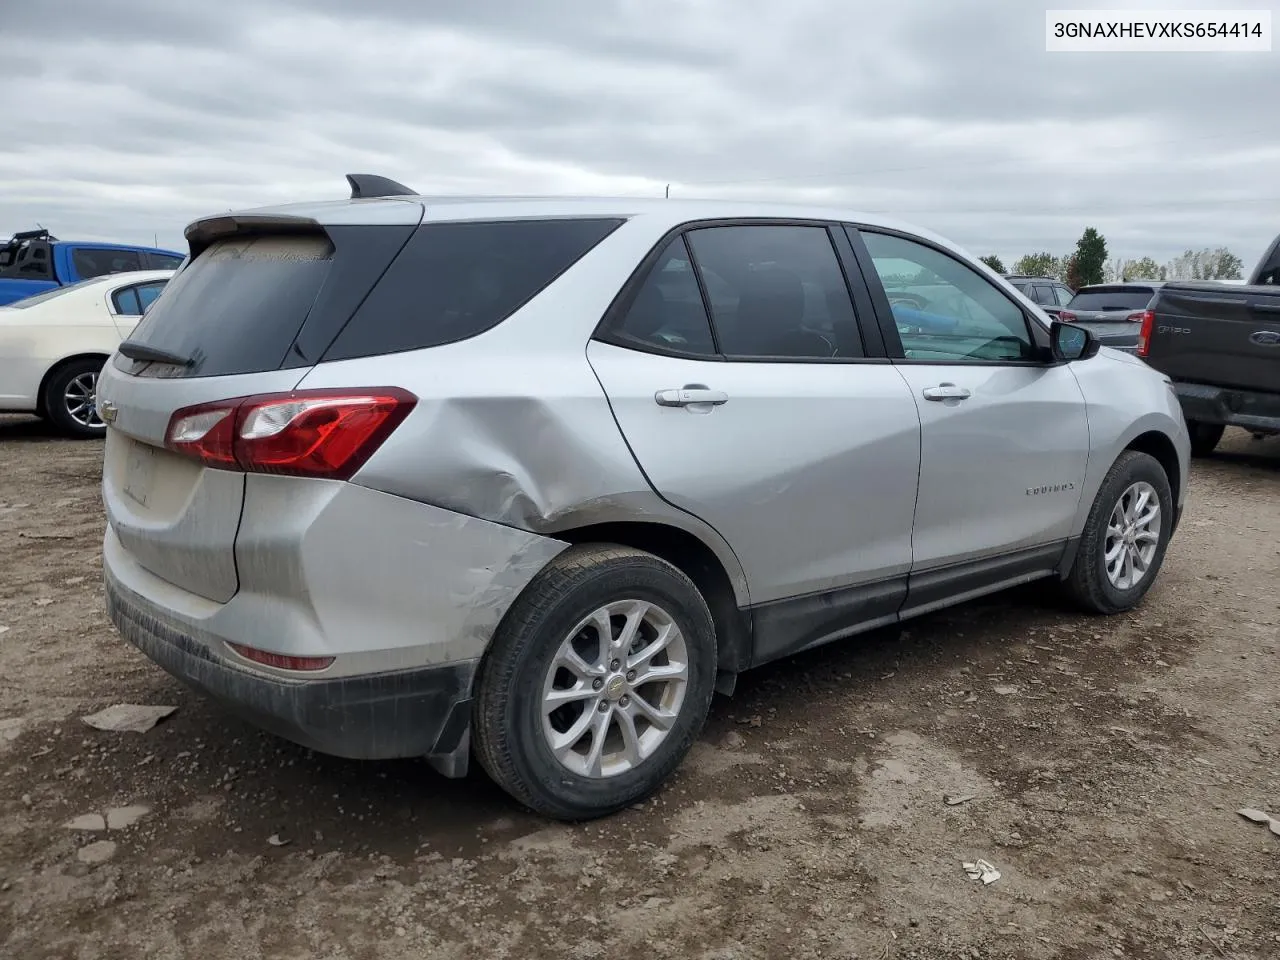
(141, 352)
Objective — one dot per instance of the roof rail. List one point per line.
(366, 185)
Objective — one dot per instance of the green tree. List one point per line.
(1039, 265)
(1206, 264)
(1141, 269)
(994, 262)
(1091, 257)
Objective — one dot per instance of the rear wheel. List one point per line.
(1125, 538)
(71, 399)
(1204, 437)
(597, 683)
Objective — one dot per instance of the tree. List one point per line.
(1142, 269)
(993, 262)
(1206, 264)
(1039, 265)
(1071, 272)
(1090, 257)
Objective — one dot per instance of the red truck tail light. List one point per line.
(307, 433)
(1066, 316)
(1144, 335)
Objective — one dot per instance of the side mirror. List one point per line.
(1069, 342)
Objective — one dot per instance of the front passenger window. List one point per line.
(944, 310)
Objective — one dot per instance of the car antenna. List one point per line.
(667, 196)
(364, 185)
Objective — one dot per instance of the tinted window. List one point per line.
(1063, 294)
(90, 262)
(1044, 294)
(668, 312)
(945, 310)
(776, 292)
(456, 280)
(1020, 286)
(126, 302)
(239, 304)
(163, 261)
(1112, 298)
(133, 301)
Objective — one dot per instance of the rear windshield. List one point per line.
(237, 306)
(53, 294)
(1112, 298)
(453, 281)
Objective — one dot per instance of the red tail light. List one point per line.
(1137, 316)
(308, 433)
(1144, 335)
(1066, 316)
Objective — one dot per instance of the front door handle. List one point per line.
(689, 395)
(946, 391)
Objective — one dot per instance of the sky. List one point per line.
(126, 119)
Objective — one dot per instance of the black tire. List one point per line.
(1204, 437)
(1088, 584)
(56, 407)
(507, 715)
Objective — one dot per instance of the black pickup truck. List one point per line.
(1220, 345)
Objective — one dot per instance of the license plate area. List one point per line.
(139, 473)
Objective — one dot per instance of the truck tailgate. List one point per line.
(1229, 337)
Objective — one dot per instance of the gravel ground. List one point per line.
(1106, 759)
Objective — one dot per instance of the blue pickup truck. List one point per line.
(34, 261)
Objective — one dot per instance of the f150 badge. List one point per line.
(1266, 338)
(1165, 328)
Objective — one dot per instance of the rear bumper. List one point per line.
(404, 713)
(1250, 409)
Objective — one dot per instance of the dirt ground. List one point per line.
(1107, 758)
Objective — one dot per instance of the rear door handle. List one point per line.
(688, 395)
(946, 391)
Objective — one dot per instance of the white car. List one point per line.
(53, 345)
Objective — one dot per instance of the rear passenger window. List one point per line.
(668, 312)
(126, 302)
(453, 281)
(776, 291)
(90, 263)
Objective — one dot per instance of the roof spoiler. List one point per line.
(366, 185)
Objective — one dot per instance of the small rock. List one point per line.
(130, 717)
(1005, 691)
(10, 729)
(44, 601)
(755, 722)
(88, 821)
(277, 841)
(98, 852)
(733, 740)
(119, 818)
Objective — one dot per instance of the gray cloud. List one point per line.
(126, 120)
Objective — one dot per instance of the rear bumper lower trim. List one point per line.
(406, 713)
(1250, 409)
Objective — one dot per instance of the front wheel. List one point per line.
(1124, 540)
(71, 399)
(597, 683)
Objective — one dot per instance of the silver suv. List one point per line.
(533, 478)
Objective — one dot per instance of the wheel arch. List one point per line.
(1160, 446)
(55, 368)
(701, 564)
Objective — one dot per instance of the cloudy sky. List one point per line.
(124, 119)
